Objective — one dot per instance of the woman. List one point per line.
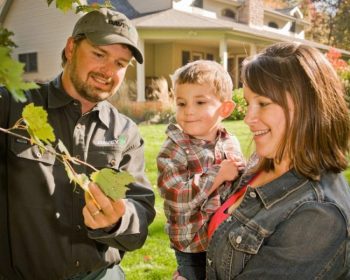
(289, 216)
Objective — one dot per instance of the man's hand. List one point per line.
(109, 214)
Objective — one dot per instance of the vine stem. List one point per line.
(69, 158)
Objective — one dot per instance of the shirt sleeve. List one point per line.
(131, 232)
(309, 245)
(187, 204)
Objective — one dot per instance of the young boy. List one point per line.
(198, 161)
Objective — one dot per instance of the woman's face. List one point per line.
(267, 122)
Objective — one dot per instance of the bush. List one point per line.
(241, 106)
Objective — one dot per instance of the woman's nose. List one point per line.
(250, 115)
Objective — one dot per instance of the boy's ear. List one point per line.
(227, 108)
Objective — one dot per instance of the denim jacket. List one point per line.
(290, 228)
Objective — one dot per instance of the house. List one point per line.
(172, 32)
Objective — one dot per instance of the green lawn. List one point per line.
(156, 260)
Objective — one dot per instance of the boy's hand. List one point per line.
(229, 169)
(109, 214)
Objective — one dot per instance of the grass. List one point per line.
(155, 260)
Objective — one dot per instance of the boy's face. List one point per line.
(199, 111)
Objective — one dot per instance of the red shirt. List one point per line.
(221, 214)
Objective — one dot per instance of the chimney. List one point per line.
(252, 12)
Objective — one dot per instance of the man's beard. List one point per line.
(86, 91)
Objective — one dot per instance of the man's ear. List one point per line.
(227, 108)
(68, 50)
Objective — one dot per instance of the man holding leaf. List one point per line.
(73, 193)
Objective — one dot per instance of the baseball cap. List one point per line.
(107, 27)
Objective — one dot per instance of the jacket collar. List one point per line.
(280, 188)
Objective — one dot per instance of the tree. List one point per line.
(11, 70)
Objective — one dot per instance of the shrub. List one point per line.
(241, 106)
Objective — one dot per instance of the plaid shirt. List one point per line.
(187, 168)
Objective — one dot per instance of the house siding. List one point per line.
(32, 22)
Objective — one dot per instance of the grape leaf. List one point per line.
(36, 119)
(65, 5)
(113, 183)
(11, 75)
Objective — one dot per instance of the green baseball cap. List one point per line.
(107, 27)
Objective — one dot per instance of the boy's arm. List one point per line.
(182, 191)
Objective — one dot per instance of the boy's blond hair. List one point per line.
(205, 72)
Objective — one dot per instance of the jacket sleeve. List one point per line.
(311, 244)
(131, 232)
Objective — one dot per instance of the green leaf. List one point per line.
(64, 5)
(113, 183)
(11, 75)
(36, 119)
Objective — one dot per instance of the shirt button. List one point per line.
(78, 126)
(75, 103)
(77, 263)
(78, 227)
(239, 239)
(112, 162)
(38, 154)
(187, 151)
(252, 194)
(210, 262)
(57, 215)
(77, 191)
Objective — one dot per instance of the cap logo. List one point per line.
(117, 23)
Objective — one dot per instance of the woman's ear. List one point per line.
(68, 50)
(227, 108)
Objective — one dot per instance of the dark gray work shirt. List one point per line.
(42, 234)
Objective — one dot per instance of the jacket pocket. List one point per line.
(105, 158)
(25, 150)
(246, 240)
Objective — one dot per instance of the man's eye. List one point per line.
(99, 55)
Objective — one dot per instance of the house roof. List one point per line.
(176, 19)
(4, 9)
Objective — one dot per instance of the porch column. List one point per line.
(140, 75)
(223, 53)
(253, 50)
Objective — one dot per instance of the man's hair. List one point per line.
(318, 137)
(205, 72)
(77, 39)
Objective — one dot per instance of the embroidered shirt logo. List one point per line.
(121, 140)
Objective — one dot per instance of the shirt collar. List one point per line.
(178, 136)
(58, 98)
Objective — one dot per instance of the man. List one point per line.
(49, 228)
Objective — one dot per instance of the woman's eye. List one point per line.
(201, 102)
(180, 104)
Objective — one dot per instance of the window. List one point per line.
(228, 13)
(292, 27)
(198, 3)
(30, 61)
(186, 57)
(273, 24)
(210, 56)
